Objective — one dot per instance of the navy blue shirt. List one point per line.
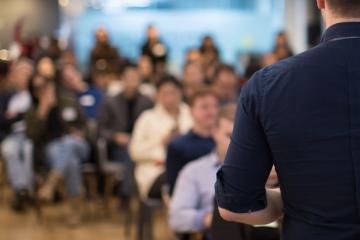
(182, 150)
(303, 115)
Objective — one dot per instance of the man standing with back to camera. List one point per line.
(302, 115)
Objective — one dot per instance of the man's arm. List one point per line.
(241, 181)
(271, 213)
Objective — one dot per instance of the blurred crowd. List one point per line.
(161, 137)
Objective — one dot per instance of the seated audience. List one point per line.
(15, 100)
(198, 141)
(57, 127)
(154, 129)
(116, 119)
(192, 204)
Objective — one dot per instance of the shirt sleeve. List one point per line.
(184, 214)
(240, 185)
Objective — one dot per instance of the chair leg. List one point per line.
(141, 221)
(150, 222)
(108, 190)
(128, 218)
(92, 185)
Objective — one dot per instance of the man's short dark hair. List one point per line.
(169, 79)
(345, 8)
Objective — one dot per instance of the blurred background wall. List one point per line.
(238, 26)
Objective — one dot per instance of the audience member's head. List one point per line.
(20, 74)
(223, 128)
(40, 86)
(193, 74)
(101, 35)
(169, 93)
(131, 80)
(204, 105)
(45, 66)
(72, 79)
(67, 57)
(152, 33)
(226, 83)
(193, 55)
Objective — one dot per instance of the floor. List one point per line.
(97, 224)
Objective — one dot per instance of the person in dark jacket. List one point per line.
(117, 116)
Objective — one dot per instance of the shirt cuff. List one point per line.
(246, 202)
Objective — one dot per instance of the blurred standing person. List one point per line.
(117, 117)
(57, 127)
(103, 56)
(15, 100)
(282, 48)
(153, 131)
(209, 51)
(301, 115)
(156, 50)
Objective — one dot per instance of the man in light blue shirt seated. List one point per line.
(192, 203)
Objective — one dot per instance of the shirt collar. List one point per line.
(345, 30)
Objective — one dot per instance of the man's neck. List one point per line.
(330, 21)
(201, 131)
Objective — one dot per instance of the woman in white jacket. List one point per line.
(153, 131)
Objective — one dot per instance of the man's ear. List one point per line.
(321, 4)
